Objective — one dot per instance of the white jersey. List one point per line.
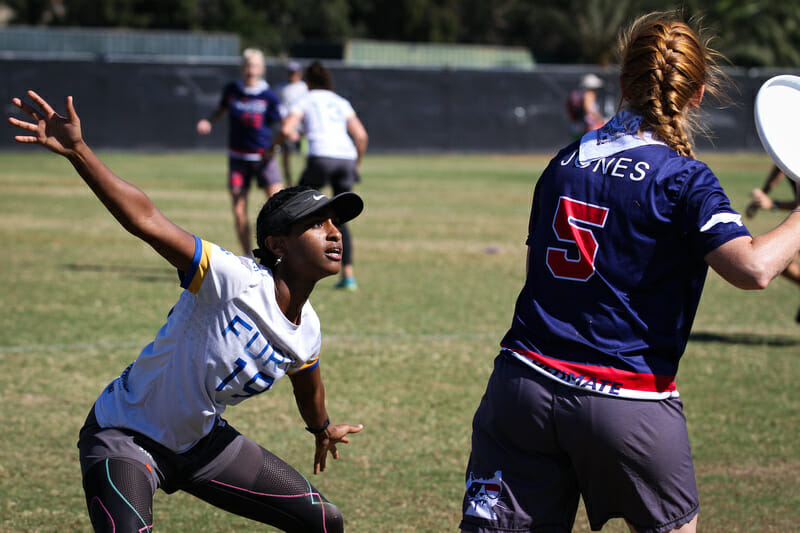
(292, 93)
(225, 340)
(325, 115)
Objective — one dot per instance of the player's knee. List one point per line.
(333, 519)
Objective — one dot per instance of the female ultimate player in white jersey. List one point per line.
(337, 141)
(624, 223)
(237, 328)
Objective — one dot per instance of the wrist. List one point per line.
(320, 429)
(80, 152)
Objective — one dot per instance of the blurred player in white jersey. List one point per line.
(337, 141)
(291, 92)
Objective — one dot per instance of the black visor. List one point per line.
(345, 206)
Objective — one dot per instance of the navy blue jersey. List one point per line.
(616, 266)
(252, 111)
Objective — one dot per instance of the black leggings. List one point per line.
(257, 485)
(341, 174)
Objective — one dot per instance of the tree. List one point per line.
(751, 32)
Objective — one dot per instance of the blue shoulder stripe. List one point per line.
(189, 274)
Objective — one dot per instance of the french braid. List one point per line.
(664, 64)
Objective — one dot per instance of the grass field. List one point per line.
(407, 355)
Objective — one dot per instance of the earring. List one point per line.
(278, 260)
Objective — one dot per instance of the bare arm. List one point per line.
(359, 134)
(204, 125)
(289, 126)
(752, 262)
(309, 394)
(129, 205)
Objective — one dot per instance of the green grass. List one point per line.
(407, 355)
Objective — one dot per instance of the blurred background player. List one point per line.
(582, 402)
(237, 328)
(252, 109)
(760, 199)
(337, 141)
(583, 107)
(294, 89)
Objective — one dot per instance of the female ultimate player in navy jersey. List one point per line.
(582, 401)
(237, 328)
(253, 109)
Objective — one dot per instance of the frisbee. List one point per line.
(777, 114)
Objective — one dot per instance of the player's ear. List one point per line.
(276, 244)
(697, 98)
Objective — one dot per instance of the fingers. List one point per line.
(22, 124)
(354, 429)
(319, 463)
(72, 115)
(338, 434)
(27, 126)
(25, 108)
(41, 102)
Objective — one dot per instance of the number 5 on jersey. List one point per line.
(568, 224)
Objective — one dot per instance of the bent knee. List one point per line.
(334, 522)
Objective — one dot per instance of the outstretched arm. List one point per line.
(129, 205)
(204, 125)
(289, 126)
(309, 393)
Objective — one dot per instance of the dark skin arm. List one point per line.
(129, 205)
(309, 393)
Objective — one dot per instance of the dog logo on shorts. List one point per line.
(483, 495)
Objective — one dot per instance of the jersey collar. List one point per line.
(618, 134)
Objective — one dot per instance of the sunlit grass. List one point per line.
(407, 355)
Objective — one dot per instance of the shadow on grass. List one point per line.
(749, 339)
(139, 273)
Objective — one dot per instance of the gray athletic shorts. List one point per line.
(539, 445)
(166, 469)
(340, 174)
(241, 173)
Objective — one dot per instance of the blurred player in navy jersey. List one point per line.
(253, 109)
(624, 223)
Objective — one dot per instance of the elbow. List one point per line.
(753, 285)
(762, 282)
(756, 280)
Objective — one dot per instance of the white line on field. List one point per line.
(107, 345)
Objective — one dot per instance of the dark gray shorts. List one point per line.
(340, 174)
(166, 469)
(538, 446)
(241, 173)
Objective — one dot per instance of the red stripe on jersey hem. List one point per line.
(613, 378)
(248, 155)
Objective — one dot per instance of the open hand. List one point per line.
(58, 134)
(327, 441)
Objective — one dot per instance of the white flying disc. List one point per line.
(777, 114)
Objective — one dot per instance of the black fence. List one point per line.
(155, 105)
